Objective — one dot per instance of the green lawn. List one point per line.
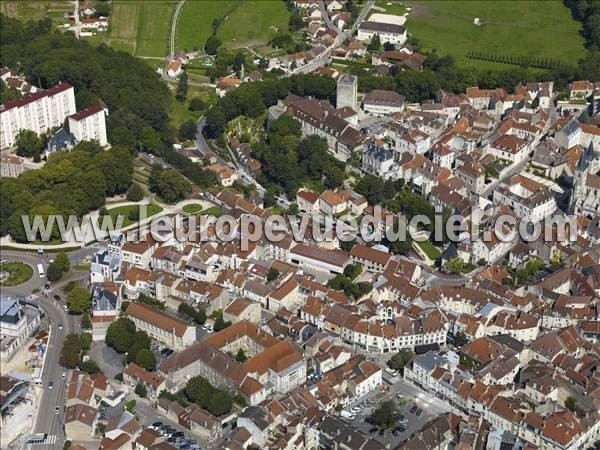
(247, 22)
(391, 7)
(192, 208)
(18, 273)
(429, 249)
(180, 111)
(194, 25)
(525, 28)
(254, 22)
(141, 28)
(125, 211)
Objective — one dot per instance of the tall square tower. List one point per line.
(346, 91)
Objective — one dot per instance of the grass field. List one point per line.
(429, 249)
(141, 28)
(18, 273)
(527, 28)
(180, 112)
(125, 211)
(194, 25)
(247, 22)
(35, 10)
(254, 22)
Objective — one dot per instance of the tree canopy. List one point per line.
(79, 300)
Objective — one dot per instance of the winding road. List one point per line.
(46, 421)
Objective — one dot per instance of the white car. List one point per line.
(57, 410)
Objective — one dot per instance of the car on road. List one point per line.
(57, 297)
(60, 327)
(419, 412)
(50, 385)
(64, 375)
(156, 425)
(65, 307)
(373, 430)
(413, 409)
(394, 433)
(57, 410)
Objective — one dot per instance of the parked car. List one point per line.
(64, 375)
(419, 412)
(373, 430)
(57, 297)
(413, 409)
(50, 385)
(57, 409)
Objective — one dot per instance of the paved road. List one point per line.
(46, 421)
(174, 26)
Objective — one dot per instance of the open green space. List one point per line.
(180, 111)
(254, 22)
(129, 213)
(391, 7)
(139, 27)
(18, 273)
(36, 10)
(244, 22)
(192, 208)
(528, 28)
(194, 25)
(429, 249)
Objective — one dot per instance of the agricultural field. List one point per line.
(254, 22)
(532, 29)
(244, 22)
(141, 28)
(194, 25)
(36, 10)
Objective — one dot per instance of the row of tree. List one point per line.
(517, 60)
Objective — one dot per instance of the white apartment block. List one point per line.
(89, 125)
(388, 32)
(38, 112)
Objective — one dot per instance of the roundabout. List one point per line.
(15, 273)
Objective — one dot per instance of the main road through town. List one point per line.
(46, 421)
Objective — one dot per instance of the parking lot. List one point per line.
(416, 407)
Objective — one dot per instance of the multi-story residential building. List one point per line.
(372, 259)
(316, 258)
(38, 112)
(379, 161)
(173, 332)
(11, 165)
(528, 199)
(509, 148)
(382, 103)
(89, 125)
(17, 322)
